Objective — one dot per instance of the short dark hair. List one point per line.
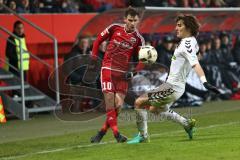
(16, 23)
(190, 22)
(131, 11)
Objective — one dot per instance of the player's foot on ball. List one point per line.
(139, 139)
(98, 137)
(120, 138)
(190, 128)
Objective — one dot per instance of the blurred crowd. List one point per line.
(83, 6)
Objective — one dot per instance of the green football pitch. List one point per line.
(46, 137)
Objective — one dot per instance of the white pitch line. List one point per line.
(109, 142)
(200, 128)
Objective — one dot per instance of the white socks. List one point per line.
(170, 114)
(141, 119)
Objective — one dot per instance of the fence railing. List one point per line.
(55, 47)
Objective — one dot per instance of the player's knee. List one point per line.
(119, 102)
(156, 110)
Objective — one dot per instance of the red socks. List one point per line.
(111, 121)
(105, 127)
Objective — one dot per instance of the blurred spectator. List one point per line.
(208, 44)
(12, 5)
(225, 40)
(23, 7)
(81, 47)
(50, 6)
(2, 10)
(203, 54)
(165, 51)
(171, 3)
(215, 54)
(138, 3)
(99, 5)
(69, 6)
(85, 7)
(192, 3)
(236, 50)
(34, 6)
(215, 3)
(233, 3)
(226, 50)
(104, 7)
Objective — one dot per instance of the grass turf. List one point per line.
(217, 137)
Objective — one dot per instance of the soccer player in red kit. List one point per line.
(124, 43)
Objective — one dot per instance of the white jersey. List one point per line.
(184, 58)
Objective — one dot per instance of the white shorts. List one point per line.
(165, 95)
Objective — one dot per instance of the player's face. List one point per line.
(131, 23)
(181, 30)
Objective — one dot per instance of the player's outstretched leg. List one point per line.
(141, 120)
(188, 124)
(162, 98)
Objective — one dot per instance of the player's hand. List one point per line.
(129, 75)
(211, 87)
(93, 63)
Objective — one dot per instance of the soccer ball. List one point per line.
(147, 54)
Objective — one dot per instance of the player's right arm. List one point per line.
(105, 34)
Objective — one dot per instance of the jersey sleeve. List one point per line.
(141, 41)
(189, 51)
(104, 35)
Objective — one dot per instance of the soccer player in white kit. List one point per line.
(160, 99)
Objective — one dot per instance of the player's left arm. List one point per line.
(198, 69)
(190, 53)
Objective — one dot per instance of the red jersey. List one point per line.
(121, 47)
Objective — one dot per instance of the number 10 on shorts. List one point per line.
(106, 86)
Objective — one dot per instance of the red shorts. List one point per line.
(113, 81)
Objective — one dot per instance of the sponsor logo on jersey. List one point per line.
(123, 44)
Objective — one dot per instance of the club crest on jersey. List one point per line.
(133, 40)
